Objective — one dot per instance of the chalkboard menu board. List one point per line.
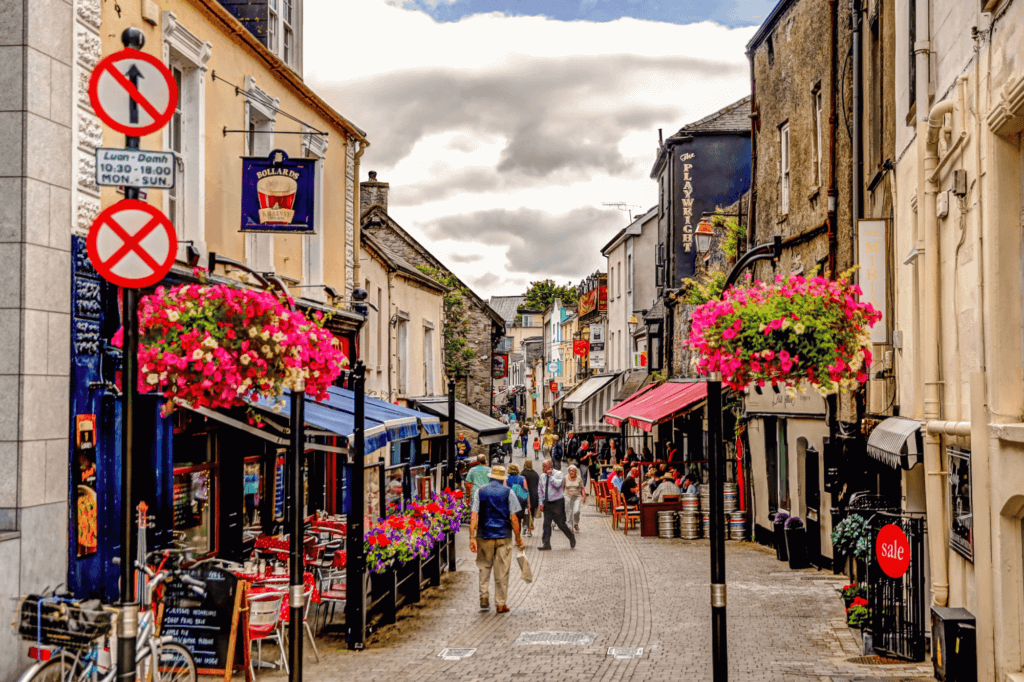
(279, 490)
(208, 630)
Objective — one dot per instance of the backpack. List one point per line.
(521, 493)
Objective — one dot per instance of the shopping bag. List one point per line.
(524, 565)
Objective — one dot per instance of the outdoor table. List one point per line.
(330, 525)
(308, 582)
(649, 516)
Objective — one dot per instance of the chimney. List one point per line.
(373, 192)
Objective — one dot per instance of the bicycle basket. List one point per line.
(70, 625)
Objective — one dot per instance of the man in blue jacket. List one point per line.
(491, 528)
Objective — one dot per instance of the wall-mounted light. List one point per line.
(703, 237)
(632, 324)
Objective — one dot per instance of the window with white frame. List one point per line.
(784, 168)
(260, 115)
(380, 328)
(284, 30)
(315, 146)
(402, 355)
(629, 273)
(618, 282)
(428, 357)
(186, 56)
(816, 151)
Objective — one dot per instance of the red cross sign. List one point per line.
(131, 244)
(133, 92)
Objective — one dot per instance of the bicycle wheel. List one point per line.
(58, 669)
(174, 664)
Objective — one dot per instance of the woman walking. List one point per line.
(532, 487)
(520, 487)
(575, 497)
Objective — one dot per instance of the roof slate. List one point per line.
(506, 306)
(733, 118)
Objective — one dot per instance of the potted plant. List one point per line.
(851, 592)
(851, 538)
(779, 524)
(858, 614)
(796, 542)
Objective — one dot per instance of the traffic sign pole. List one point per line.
(126, 641)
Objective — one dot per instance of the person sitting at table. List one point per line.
(630, 486)
(650, 484)
(690, 485)
(615, 478)
(666, 487)
(646, 455)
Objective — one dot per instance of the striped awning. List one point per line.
(588, 415)
(583, 392)
(897, 442)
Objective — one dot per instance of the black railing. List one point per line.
(897, 605)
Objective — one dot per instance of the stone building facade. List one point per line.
(486, 327)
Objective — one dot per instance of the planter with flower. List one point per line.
(858, 613)
(851, 538)
(851, 592)
(796, 542)
(794, 330)
(213, 346)
(779, 528)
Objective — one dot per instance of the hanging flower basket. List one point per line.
(214, 345)
(796, 329)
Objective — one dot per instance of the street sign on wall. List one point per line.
(871, 276)
(133, 92)
(134, 168)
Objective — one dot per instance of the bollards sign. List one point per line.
(278, 194)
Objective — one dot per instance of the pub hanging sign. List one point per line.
(278, 194)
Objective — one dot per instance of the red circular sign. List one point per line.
(133, 92)
(131, 244)
(893, 551)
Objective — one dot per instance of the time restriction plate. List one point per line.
(134, 168)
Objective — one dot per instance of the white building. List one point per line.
(631, 290)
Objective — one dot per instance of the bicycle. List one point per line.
(74, 645)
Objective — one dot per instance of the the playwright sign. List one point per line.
(134, 168)
(871, 256)
(278, 193)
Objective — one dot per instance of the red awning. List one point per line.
(620, 412)
(664, 402)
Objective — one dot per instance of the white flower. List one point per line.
(785, 323)
(210, 342)
(173, 316)
(277, 407)
(265, 349)
(278, 337)
(244, 359)
(252, 332)
(265, 335)
(197, 354)
(152, 379)
(799, 327)
(208, 357)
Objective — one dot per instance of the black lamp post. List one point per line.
(719, 639)
(450, 473)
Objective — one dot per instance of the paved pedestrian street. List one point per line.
(616, 590)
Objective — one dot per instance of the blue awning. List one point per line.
(382, 423)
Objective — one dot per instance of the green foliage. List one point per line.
(700, 291)
(733, 234)
(851, 537)
(541, 294)
(458, 354)
(858, 616)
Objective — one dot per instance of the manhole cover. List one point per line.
(576, 638)
(625, 652)
(875, 660)
(455, 654)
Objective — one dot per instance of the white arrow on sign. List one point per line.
(133, 92)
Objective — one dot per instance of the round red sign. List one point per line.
(893, 551)
(132, 244)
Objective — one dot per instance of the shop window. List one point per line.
(195, 508)
(252, 490)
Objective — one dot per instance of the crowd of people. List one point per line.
(507, 501)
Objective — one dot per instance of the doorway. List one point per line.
(812, 491)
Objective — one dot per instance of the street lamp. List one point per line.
(716, 476)
(703, 237)
(632, 324)
(585, 333)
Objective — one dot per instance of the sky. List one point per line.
(504, 126)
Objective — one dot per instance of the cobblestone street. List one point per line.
(625, 591)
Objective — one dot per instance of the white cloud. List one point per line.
(523, 119)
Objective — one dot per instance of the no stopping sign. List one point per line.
(131, 244)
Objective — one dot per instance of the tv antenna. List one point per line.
(622, 206)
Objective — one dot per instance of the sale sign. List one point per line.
(892, 549)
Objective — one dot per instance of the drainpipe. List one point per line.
(929, 128)
(357, 229)
(858, 143)
(751, 201)
(833, 122)
(980, 417)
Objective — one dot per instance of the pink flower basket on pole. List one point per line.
(795, 329)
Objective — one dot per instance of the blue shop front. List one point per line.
(212, 481)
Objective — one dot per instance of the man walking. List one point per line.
(552, 498)
(477, 476)
(491, 527)
(557, 453)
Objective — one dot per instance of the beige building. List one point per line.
(631, 290)
(401, 340)
(959, 179)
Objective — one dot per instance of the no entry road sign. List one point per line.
(133, 92)
(131, 244)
